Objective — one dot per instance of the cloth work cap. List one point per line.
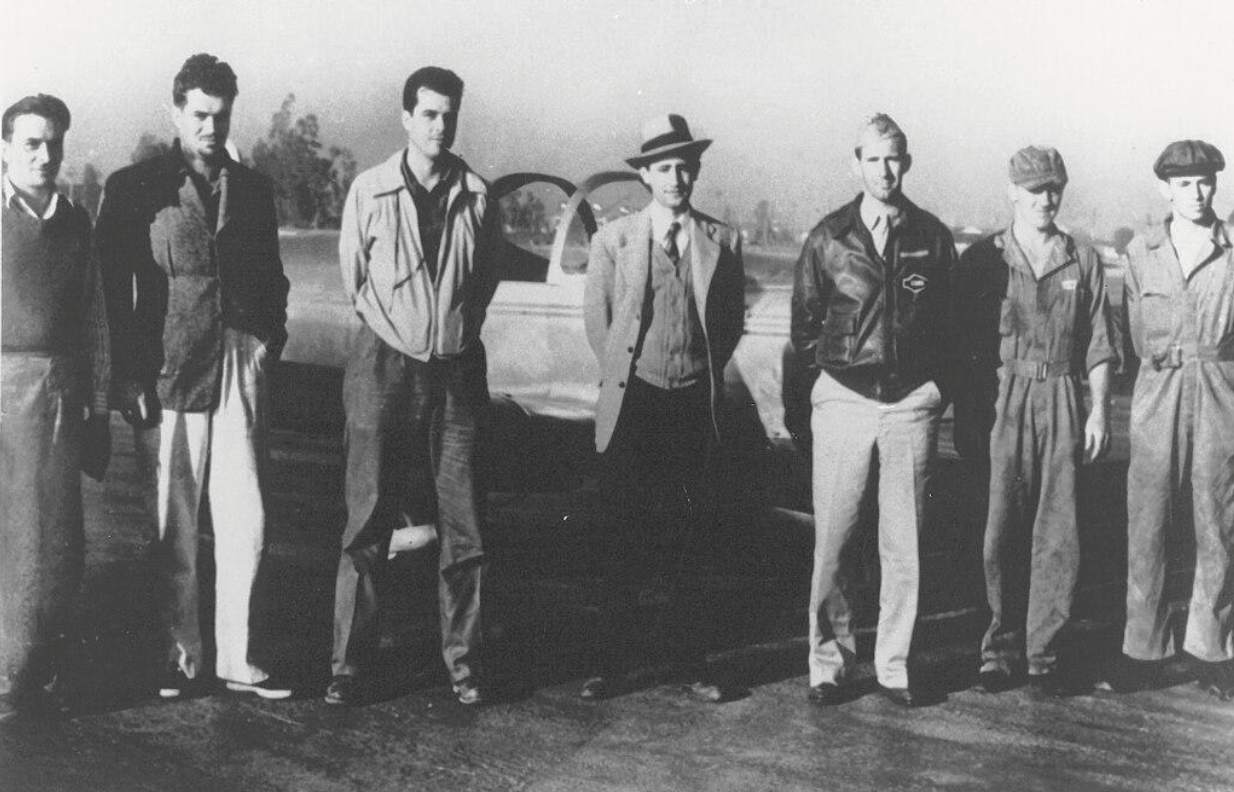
(667, 136)
(1189, 158)
(1034, 167)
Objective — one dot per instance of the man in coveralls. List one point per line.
(663, 306)
(1179, 299)
(1047, 294)
(870, 310)
(54, 370)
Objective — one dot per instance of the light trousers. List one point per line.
(220, 454)
(850, 433)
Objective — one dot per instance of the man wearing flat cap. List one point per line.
(870, 316)
(1031, 305)
(1179, 303)
(663, 306)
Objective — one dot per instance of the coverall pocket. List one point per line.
(1157, 312)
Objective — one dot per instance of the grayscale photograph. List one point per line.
(617, 396)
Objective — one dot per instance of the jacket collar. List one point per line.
(848, 217)
(389, 177)
(1014, 255)
(1158, 235)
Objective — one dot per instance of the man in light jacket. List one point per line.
(663, 305)
(416, 252)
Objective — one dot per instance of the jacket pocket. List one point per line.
(385, 274)
(839, 340)
(192, 329)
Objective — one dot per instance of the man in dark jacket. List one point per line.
(55, 374)
(870, 311)
(188, 243)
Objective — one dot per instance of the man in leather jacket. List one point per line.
(870, 312)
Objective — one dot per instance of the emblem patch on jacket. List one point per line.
(915, 283)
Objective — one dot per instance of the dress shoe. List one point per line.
(826, 694)
(1130, 676)
(1045, 687)
(468, 692)
(342, 690)
(1216, 679)
(994, 680)
(901, 696)
(269, 688)
(175, 684)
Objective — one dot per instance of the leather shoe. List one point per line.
(994, 680)
(902, 697)
(826, 694)
(1216, 679)
(468, 692)
(342, 690)
(1045, 687)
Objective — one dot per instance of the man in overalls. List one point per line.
(1179, 299)
(1050, 302)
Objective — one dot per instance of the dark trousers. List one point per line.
(657, 512)
(410, 421)
(42, 541)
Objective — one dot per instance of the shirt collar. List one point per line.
(663, 217)
(13, 200)
(875, 214)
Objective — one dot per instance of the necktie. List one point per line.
(670, 243)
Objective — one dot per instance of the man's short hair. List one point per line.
(207, 73)
(44, 105)
(882, 126)
(434, 78)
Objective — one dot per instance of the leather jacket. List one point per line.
(878, 325)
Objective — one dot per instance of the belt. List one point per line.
(1176, 356)
(1038, 369)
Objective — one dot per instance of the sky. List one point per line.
(563, 86)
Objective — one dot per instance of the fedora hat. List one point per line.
(667, 136)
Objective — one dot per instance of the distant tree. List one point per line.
(1122, 238)
(149, 145)
(309, 189)
(525, 217)
(90, 190)
(762, 223)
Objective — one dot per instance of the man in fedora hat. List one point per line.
(1178, 290)
(664, 307)
(870, 313)
(1034, 305)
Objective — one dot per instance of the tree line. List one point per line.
(310, 179)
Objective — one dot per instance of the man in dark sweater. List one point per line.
(55, 378)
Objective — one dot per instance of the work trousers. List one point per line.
(42, 540)
(850, 432)
(657, 515)
(220, 453)
(1182, 430)
(1032, 544)
(405, 416)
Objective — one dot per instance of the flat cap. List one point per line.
(1034, 167)
(1189, 158)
